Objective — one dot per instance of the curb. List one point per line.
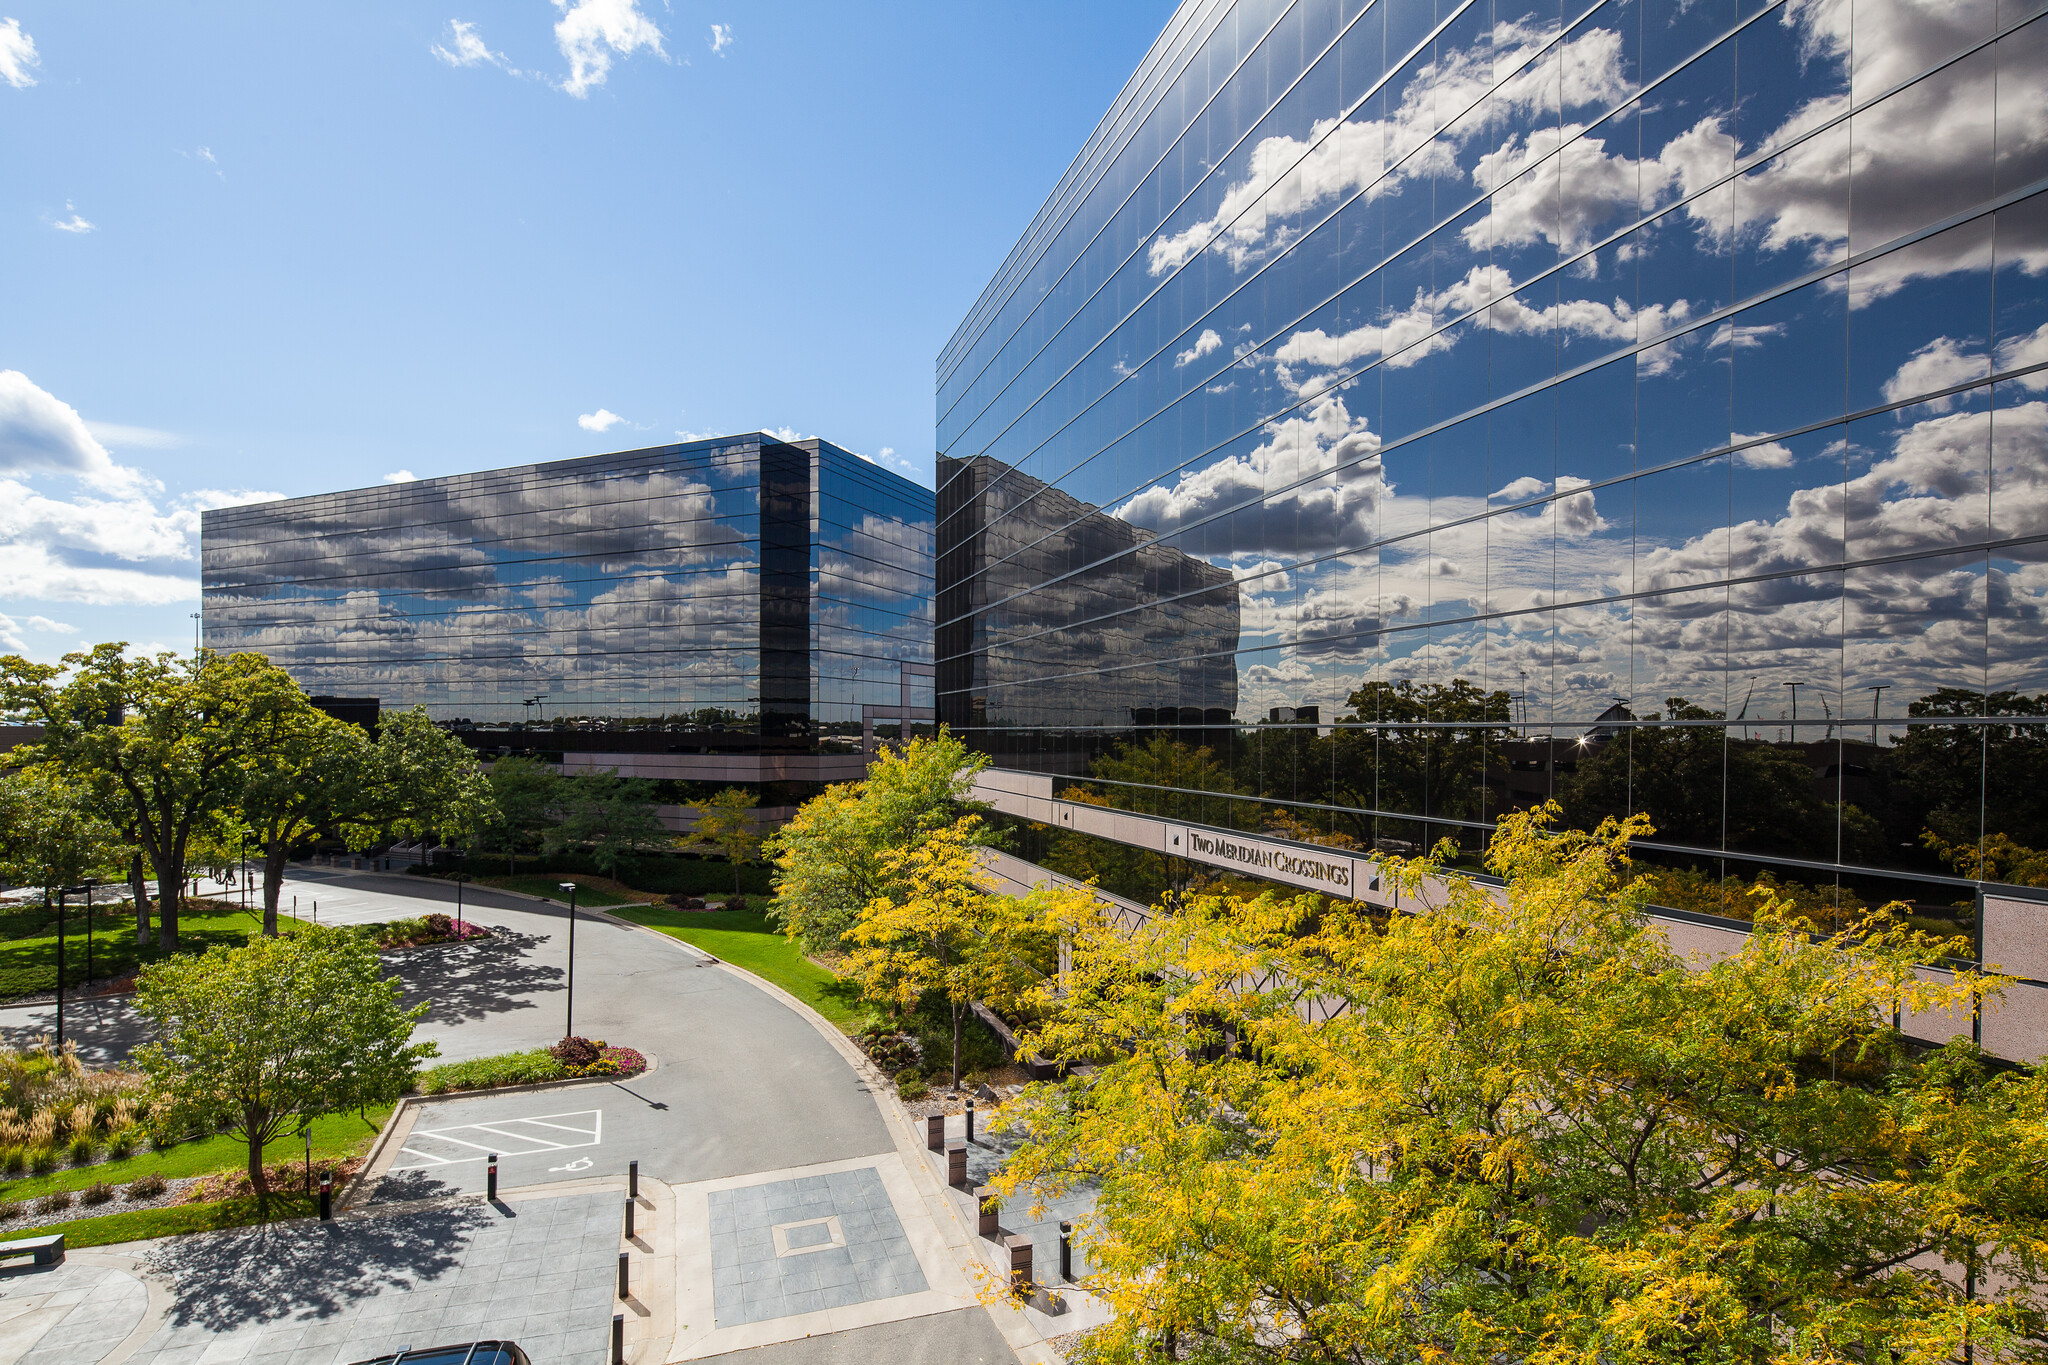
(1019, 1333)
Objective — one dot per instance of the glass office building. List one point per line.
(1641, 405)
(733, 610)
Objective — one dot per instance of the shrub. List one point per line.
(14, 1159)
(440, 926)
(575, 1052)
(892, 1051)
(625, 1061)
(123, 1141)
(99, 1192)
(43, 1160)
(511, 1068)
(83, 1149)
(683, 902)
(10, 1208)
(910, 1084)
(148, 1187)
(54, 1203)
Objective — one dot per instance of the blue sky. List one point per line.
(263, 249)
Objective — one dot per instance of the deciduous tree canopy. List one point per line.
(1519, 1128)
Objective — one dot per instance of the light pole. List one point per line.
(1795, 709)
(569, 1013)
(60, 966)
(1876, 691)
(88, 932)
(459, 878)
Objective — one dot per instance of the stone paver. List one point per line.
(541, 1272)
(65, 1314)
(798, 1246)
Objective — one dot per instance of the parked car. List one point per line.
(468, 1353)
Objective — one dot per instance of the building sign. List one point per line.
(1330, 872)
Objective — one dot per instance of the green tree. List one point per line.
(526, 802)
(164, 742)
(726, 822)
(50, 836)
(260, 1037)
(829, 859)
(948, 934)
(309, 770)
(1521, 1128)
(612, 817)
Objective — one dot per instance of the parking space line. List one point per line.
(509, 1138)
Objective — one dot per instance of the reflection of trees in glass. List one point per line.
(1691, 778)
(1426, 770)
(1943, 776)
(1158, 762)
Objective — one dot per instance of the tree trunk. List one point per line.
(138, 889)
(735, 877)
(255, 1131)
(274, 856)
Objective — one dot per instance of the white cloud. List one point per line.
(591, 32)
(121, 434)
(75, 223)
(1939, 364)
(2031, 349)
(721, 38)
(1207, 342)
(10, 636)
(604, 419)
(784, 433)
(17, 54)
(40, 433)
(45, 623)
(400, 476)
(466, 47)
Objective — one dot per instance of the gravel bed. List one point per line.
(1063, 1345)
(174, 1193)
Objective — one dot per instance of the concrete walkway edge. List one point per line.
(1022, 1337)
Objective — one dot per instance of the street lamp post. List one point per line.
(459, 878)
(60, 967)
(88, 933)
(569, 1014)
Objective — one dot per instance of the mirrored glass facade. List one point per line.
(1641, 405)
(740, 609)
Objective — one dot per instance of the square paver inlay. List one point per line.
(796, 1246)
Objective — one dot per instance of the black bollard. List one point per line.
(629, 1217)
(1066, 1252)
(491, 1178)
(632, 1180)
(622, 1275)
(970, 1120)
(326, 1197)
(618, 1339)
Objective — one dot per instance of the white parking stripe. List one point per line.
(506, 1137)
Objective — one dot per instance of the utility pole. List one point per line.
(1876, 691)
(1795, 709)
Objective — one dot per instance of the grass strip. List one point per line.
(141, 1224)
(335, 1137)
(748, 940)
(596, 892)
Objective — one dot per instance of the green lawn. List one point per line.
(28, 942)
(138, 1224)
(747, 940)
(334, 1137)
(597, 892)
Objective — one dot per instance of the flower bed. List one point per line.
(596, 1060)
(435, 928)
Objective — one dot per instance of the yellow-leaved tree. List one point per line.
(1519, 1128)
(946, 932)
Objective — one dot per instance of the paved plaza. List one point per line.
(783, 1211)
